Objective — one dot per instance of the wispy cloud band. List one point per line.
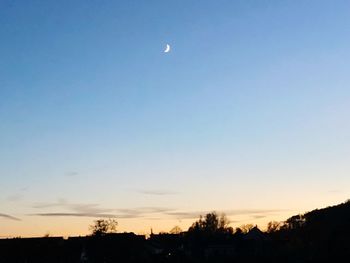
(6, 216)
(75, 215)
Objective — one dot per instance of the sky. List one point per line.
(248, 114)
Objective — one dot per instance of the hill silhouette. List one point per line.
(320, 235)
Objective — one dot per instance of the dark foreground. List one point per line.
(318, 236)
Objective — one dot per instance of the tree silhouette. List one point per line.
(246, 228)
(211, 224)
(104, 226)
(176, 230)
(273, 226)
(295, 222)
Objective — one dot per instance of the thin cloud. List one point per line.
(142, 211)
(123, 213)
(239, 212)
(252, 211)
(73, 210)
(94, 210)
(71, 174)
(9, 217)
(185, 215)
(153, 209)
(89, 208)
(75, 215)
(76, 207)
(129, 216)
(258, 216)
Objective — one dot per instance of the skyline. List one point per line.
(248, 114)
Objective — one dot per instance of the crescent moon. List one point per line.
(167, 49)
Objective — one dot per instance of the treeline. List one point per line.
(322, 235)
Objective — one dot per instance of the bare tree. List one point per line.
(273, 226)
(104, 226)
(246, 228)
(176, 230)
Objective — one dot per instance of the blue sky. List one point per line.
(249, 110)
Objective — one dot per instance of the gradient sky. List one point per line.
(248, 114)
